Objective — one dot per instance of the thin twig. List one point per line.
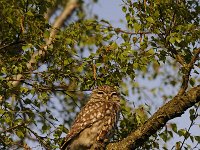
(40, 139)
(187, 69)
(42, 116)
(127, 32)
(71, 98)
(13, 128)
(191, 124)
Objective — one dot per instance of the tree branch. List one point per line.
(187, 69)
(40, 139)
(70, 6)
(13, 127)
(174, 108)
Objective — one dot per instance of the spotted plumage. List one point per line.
(93, 125)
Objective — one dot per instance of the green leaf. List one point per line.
(170, 133)
(24, 89)
(8, 119)
(150, 19)
(113, 46)
(163, 136)
(192, 81)
(124, 9)
(196, 72)
(172, 40)
(2, 111)
(26, 47)
(47, 34)
(20, 134)
(135, 65)
(8, 19)
(29, 13)
(174, 127)
(182, 132)
(137, 27)
(45, 128)
(66, 62)
(197, 138)
(178, 39)
(192, 111)
(128, 17)
(27, 101)
(135, 39)
(150, 52)
(192, 138)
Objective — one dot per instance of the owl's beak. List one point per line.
(107, 98)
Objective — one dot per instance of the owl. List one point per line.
(94, 124)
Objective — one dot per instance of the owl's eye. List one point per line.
(100, 93)
(113, 94)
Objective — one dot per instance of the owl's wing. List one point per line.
(90, 113)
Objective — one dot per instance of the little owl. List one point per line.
(93, 125)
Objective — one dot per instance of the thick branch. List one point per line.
(174, 108)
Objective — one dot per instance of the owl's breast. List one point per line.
(87, 137)
(98, 132)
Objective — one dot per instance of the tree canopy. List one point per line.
(53, 52)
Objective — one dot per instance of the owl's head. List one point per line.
(105, 93)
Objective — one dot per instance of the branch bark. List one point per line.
(174, 108)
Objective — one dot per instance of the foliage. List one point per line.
(161, 43)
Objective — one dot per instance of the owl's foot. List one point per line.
(98, 146)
